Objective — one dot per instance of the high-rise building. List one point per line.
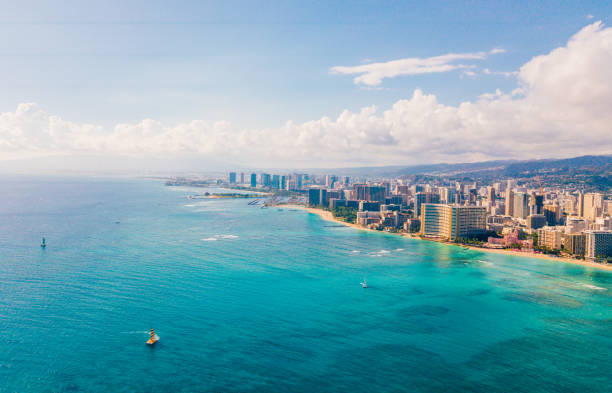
(232, 177)
(580, 205)
(574, 243)
(283, 182)
(550, 237)
(365, 192)
(598, 244)
(275, 181)
(241, 177)
(536, 203)
(552, 214)
(298, 181)
(535, 221)
(266, 180)
(521, 205)
(592, 205)
(491, 194)
(509, 205)
(253, 180)
(452, 222)
(317, 196)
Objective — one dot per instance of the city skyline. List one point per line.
(526, 90)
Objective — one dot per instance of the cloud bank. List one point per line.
(373, 74)
(561, 107)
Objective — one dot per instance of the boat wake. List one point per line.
(217, 237)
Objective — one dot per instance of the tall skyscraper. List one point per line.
(509, 203)
(253, 180)
(521, 205)
(275, 181)
(592, 205)
(241, 177)
(232, 177)
(491, 194)
(266, 180)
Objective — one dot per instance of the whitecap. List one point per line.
(594, 287)
(399, 249)
(384, 252)
(228, 236)
(209, 239)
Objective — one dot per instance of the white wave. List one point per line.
(486, 263)
(228, 236)
(384, 252)
(399, 249)
(355, 251)
(209, 239)
(594, 287)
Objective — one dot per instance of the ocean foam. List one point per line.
(209, 239)
(594, 287)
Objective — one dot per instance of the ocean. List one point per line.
(246, 299)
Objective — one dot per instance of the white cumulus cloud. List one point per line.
(372, 74)
(561, 107)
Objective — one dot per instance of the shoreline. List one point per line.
(327, 216)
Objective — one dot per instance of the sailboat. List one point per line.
(153, 339)
(364, 284)
(43, 244)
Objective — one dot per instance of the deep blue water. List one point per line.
(250, 299)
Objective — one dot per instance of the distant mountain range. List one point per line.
(486, 169)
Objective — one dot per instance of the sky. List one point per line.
(302, 84)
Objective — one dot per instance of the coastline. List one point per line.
(327, 216)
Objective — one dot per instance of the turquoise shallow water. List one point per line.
(249, 299)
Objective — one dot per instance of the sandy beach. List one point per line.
(327, 215)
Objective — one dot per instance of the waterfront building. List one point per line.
(232, 177)
(283, 182)
(412, 225)
(276, 181)
(550, 237)
(574, 243)
(317, 196)
(253, 180)
(241, 177)
(366, 218)
(452, 222)
(598, 244)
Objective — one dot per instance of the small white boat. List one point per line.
(364, 284)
